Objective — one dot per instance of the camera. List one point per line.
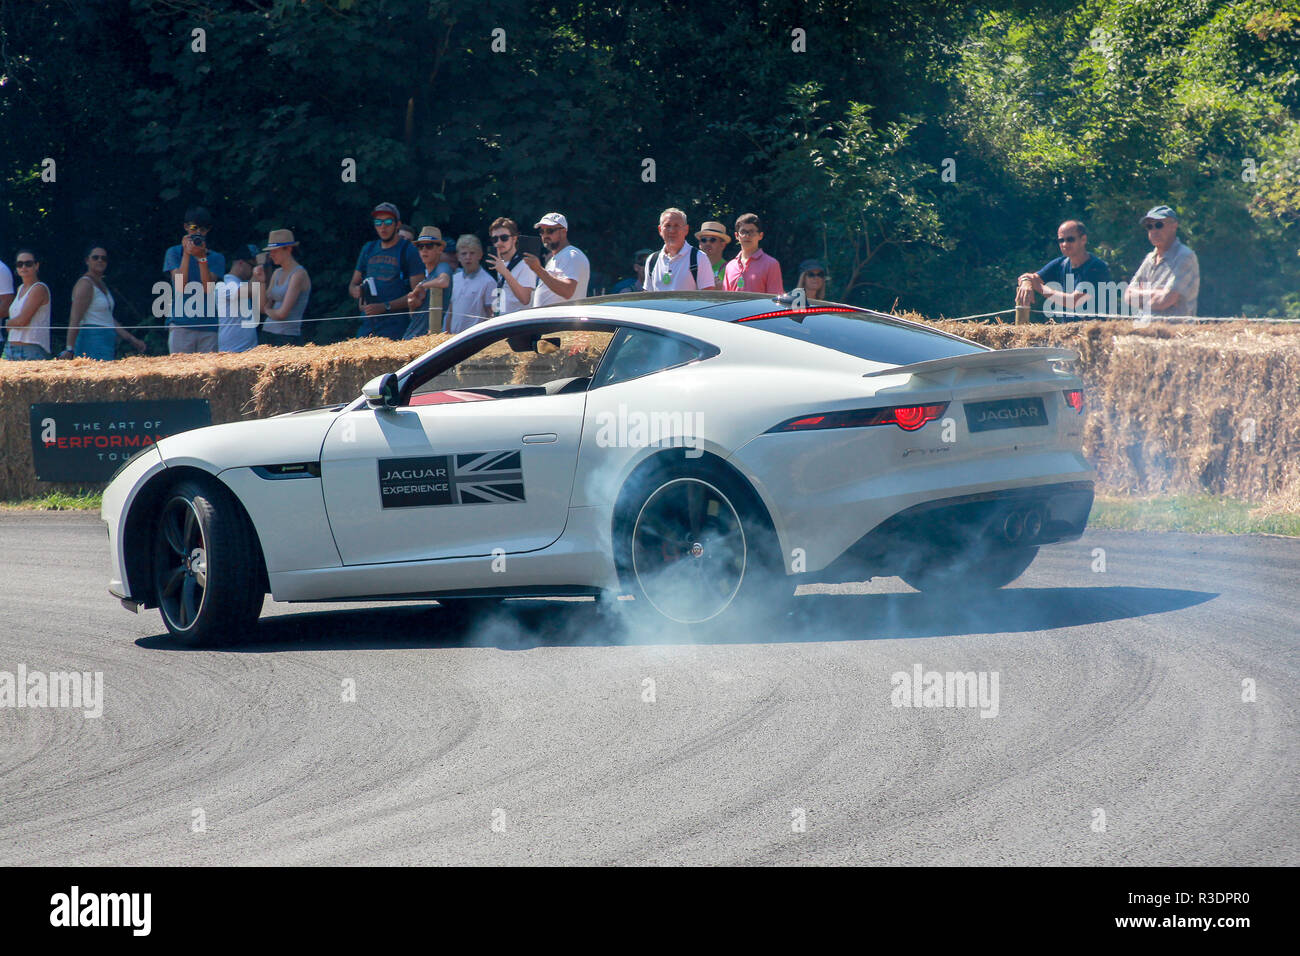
(197, 239)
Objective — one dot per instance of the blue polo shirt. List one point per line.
(1093, 271)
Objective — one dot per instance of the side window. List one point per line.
(535, 362)
(636, 352)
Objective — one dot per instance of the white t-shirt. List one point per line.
(503, 300)
(99, 314)
(568, 263)
(37, 331)
(677, 271)
(471, 299)
(232, 335)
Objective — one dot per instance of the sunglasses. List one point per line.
(1067, 239)
(815, 275)
(25, 263)
(547, 230)
(499, 239)
(1155, 225)
(383, 222)
(98, 258)
(704, 239)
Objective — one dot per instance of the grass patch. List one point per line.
(58, 501)
(1205, 514)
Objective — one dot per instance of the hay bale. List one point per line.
(1168, 404)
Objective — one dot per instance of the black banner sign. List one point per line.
(86, 441)
(468, 479)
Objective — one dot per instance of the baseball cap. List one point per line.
(1159, 212)
(388, 207)
(247, 252)
(811, 264)
(200, 216)
(552, 219)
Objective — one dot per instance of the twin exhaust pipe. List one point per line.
(1022, 525)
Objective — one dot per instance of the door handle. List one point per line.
(541, 439)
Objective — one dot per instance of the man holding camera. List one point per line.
(193, 270)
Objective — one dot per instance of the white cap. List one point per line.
(552, 219)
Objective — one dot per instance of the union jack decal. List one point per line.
(487, 477)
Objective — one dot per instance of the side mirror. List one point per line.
(381, 391)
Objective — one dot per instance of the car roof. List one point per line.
(713, 304)
(716, 318)
(738, 306)
(731, 306)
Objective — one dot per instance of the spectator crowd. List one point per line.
(407, 284)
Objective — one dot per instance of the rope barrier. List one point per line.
(1080, 316)
(214, 322)
(1072, 316)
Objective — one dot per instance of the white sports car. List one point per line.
(697, 451)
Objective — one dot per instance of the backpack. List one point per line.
(695, 265)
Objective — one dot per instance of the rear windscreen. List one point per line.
(867, 337)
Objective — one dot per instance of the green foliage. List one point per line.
(1113, 106)
(1099, 108)
(853, 187)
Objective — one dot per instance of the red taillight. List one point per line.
(813, 421)
(911, 417)
(1074, 398)
(907, 417)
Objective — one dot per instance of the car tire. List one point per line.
(988, 572)
(693, 545)
(207, 570)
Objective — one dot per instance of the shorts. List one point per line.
(275, 338)
(191, 339)
(22, 352)
(97, 342)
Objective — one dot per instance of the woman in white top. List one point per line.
(29, 313)
(92, 330)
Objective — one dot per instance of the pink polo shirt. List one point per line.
(761, 273)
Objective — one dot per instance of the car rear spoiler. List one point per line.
(994, 358)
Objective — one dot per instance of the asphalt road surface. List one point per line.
(548, 733)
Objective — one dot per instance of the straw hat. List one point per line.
(279, 238)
